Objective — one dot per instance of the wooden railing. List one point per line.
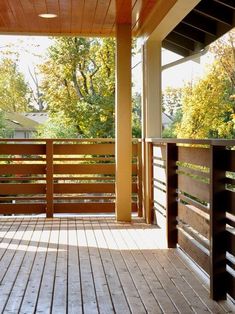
(193, 193)
(62, 176)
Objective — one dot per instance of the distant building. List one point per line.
(24, 125)
(166, 120)
(39, 117)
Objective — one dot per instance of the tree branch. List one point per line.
(75, 83)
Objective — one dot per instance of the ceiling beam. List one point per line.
(190, 32)
(177, 49)
(228, 3)
(181, 41)
(215, 11)
(201, 23)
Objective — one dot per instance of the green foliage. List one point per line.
(5, 131)
(14, 92)
(171, 100)
(136, 116)
(208, 110)
(170, 131)
(79, 84)
(57, 127)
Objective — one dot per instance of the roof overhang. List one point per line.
(78, 17)
(184, 26)
(206, 22)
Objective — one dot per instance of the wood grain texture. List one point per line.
(191, 216)
(31, 174)
(195, 188)
(194, 251)
(85, 17)
(95, 265)
(195, 155)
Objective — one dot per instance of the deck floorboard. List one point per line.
(88, 265)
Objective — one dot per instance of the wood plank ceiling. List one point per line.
(80, 17)
(209, 20)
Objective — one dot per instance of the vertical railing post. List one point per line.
(149, 182)
(49, 179)
(139, 178)
(217, 223)
(171, 195)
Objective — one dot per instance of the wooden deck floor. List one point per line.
(93, 265)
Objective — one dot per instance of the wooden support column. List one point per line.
(218, 205)
(140, 180)
(171, 201)
(149, 183)
(123, 146)
(49, 179)
(152, 95)
(151, 114)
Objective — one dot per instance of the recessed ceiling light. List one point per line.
(48, 15)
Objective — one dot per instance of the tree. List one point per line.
(171, 100)
(136, 116)
(14, 91)
(78, 83)
(36, 91)
(208, 110)
(57, 127)
(224, 50)
(5, 131)
(170, 131)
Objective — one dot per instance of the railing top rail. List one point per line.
(213, 142)
(79, 140)
(58, 140)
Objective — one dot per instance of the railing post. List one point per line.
(217, 223)
(139, 178)
(171, 188)
(148, 194)
(49, 179)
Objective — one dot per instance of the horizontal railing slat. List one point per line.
(24, 188)
(194, 187)
(88, 169)
(192, 218)
(84, 149)
(189, 246)
(194, 155)
(23, 208)
(22, 149)
(23, 169)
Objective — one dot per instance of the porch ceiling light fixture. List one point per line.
(48, 15)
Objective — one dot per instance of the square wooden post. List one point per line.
(123, 144)
(139, 173)
(218, 241)
(149, 183)
(171, 195)
(49, 179)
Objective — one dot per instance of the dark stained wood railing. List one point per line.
(193, 189)
(62, 176)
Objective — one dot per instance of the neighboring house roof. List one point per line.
(19, 122)
(166, 120)
(39, 117)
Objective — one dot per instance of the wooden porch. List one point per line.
(85, 264)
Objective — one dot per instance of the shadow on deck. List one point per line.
(95, 265)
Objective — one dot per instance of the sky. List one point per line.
(32, 51)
